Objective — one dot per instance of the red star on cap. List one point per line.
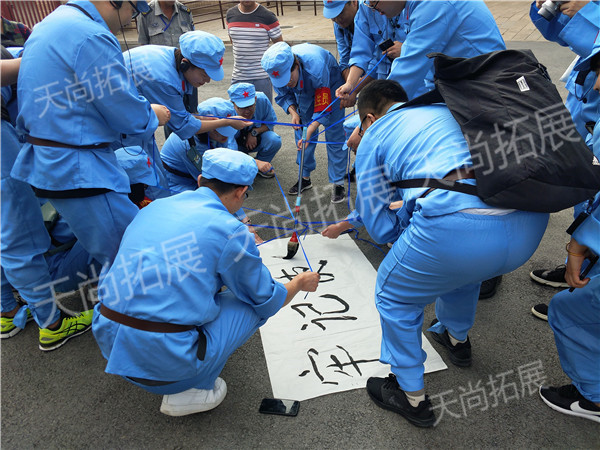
(221, 62)
(276, 73)
(246, 94)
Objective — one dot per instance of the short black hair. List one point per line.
(218, 186)
(595, 62)
(378, 94)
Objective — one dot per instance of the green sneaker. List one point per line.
(70, 327)
(8, 328)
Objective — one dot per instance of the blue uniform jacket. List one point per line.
(579, 34)
(453, 27)
(173, 275)
(175, 150)
(76, 91)
(157, 79)
(418, 142)
(320, 76)
(370, 30)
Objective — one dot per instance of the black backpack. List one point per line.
(526, 152)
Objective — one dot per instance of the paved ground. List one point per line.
(512, 18)
(63, 399)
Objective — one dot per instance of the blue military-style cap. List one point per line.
(584, 64)
(142, 6)
(333, 8)
(229, 166)
(218, 107)
(242, 94)
(204, 50)
(277, 61)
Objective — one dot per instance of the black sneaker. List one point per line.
(339, 194)
(540, 311)
(269, 174)
(306, 184)
(554, 277)
(489, 287)
(352, 175)
(568, 400)
(460, 354)
(386, 393)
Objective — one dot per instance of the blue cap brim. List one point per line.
(245, 102)
(215, 74)
(142, 6)
(283, 80)
(227, 131)
(332, 13)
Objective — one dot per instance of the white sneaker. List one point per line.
(194, 400)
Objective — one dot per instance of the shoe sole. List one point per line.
(15, 330)
(11, 333)
(567, 411)
(453, 359)
(554, 284)
(266, 175)
(338, 201)
(178, 411)
(539, 315)
(59, 344)
(301, 190)
(416, 422)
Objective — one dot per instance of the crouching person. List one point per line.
(173, 309)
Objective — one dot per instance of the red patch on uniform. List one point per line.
(149, 163)
(276, 73)
(246, 94)
(301, 84)
(221, 62)
(322, 99)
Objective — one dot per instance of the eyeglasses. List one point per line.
(360, 129)
(136, 11)
(372, 4)
(246, 193)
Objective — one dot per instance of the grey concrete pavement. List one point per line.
(63, 399)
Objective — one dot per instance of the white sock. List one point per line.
(414, 398)
(455, 341)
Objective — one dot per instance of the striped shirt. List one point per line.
(251, 34)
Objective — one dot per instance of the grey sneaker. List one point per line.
(339, 194)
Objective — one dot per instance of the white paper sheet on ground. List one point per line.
(330, 341)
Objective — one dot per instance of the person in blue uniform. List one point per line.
(576, 25)
(202, 293)
(305, 77)
(25, 262)
(165, 75)
(184, 163)
(574, 316)
(455, 28)
(370, 31)
(71, 112)
(445, 243)
(259, 137)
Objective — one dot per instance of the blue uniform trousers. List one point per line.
(337, 158)
(270, 143)
(575, 319)
(98, 222)
(444, 259)
(234, 325)
(24, 239)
